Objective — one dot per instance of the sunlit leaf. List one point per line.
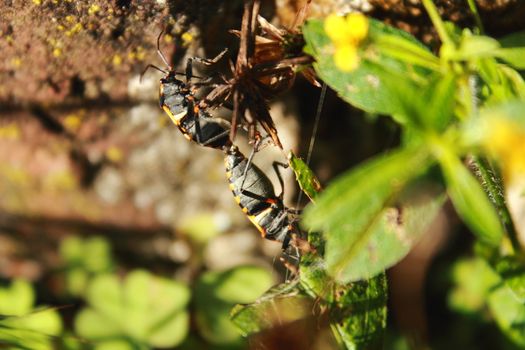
(92, 324)
(514, 56)
(280, 305)
(389, 238)
(470, 201)
(473, 47)
(512, 273)
(305, 177)
(509, 314)
(440, 99)
(147, 309)
(403, 47)
(473, 279)
(360, 315)
(17, 299)
(353, 205)
(363, 87)
(217, 292)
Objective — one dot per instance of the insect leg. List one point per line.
(275, 166)
(205, 61)
(255, 148)
(191, 115)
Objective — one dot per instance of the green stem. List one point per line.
(474, 9)
(437, 21)
(492, 185)
(491, 181)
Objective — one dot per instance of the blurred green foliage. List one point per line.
(141, 311)
(84, 259)
(217, 292)
(22, 326)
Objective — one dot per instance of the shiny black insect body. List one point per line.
(178, 101)
(176, 98)
(254, 193)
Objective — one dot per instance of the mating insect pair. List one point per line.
(252, 189)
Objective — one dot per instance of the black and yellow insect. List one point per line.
(178, 101)
(176, 98)
(254, 193)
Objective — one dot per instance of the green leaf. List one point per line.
(92, 324)
(389, 238)
(404, 48)
(313, 276)
(353, 205)
(440, 102)
(363, 87)
(17, 299)
(172, 330)
(305, 176)
(509, 314)
(357, 310)
(479, 285)
(515, 82)
(512, 272)
(362, 191)
(71, 249)
(119, 345)
(46, 321)
(232, 286)
(157, 307)
(514, 56)
(474, 47)
(470, 201)
(84, 258)
(105, 294)
(473, 280)
(32, 331)
(360, 316)
(428, 107)
(200, 228)
(513, 39)
(217, 292)
(148, 309)
(97, 255)
(280, 305)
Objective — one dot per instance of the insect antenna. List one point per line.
(159, 52)
(151, 66)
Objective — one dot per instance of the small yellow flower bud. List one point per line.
(358, 26)
(346, 35)
(505, 142)
(346, 58)
(336, 29)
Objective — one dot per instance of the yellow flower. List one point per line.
(336, 29)
(187, 38)
(358, 24)
(114, 154)
(346, 58)
(93, 9)
(346, 33)
(505, 142)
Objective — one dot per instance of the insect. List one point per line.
(254, 193)
(195, 123)
(176, 98)
(265, 66)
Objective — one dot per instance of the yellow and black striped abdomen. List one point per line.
(257, 197)
(195, 124)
